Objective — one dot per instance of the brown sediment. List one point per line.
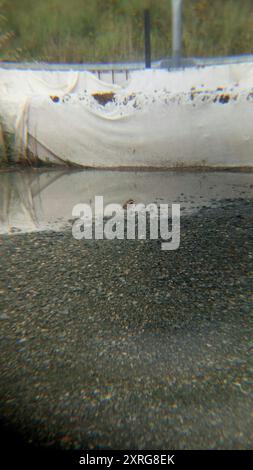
(55, 99)
(104, 97)
(250, 96)
(224, 99)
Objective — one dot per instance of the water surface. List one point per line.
(35, 200)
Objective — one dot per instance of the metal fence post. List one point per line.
(147, 39)
(177, 7)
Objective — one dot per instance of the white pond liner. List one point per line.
(196, 117)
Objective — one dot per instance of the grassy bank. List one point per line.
(98, 30)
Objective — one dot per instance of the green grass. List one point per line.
(111, 30)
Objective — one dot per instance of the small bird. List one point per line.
(128, 203)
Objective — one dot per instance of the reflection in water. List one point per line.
(43, 200)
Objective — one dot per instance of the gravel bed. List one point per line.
(119, 345)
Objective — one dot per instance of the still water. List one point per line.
(35, 200)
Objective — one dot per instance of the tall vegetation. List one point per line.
(6, 37)
(110, 30)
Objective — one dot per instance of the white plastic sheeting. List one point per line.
(18, 87)
(192, 117)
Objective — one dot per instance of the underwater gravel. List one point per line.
(117, 344)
